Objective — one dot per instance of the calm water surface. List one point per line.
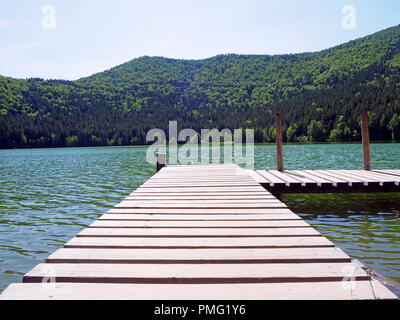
(49, 195)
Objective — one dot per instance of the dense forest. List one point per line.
(321, 96)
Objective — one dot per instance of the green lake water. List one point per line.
(48, 195)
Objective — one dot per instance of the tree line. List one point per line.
(321, 96)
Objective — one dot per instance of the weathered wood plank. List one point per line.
(188, 217)
(197, 232)
(388, 171)
(165, 243)
(259, 193)
(273, 180)
(336, 174)
(355, 176)
(202, 189)
(289, 179)
(129, 256)
(200, 197)
(195, 273)
(194, 179)
(211, 202)
(223, 184)
(300, 176)
(199, 224)
(200, 211)
(256, 176)
(326, 179)
(190, 205)
(269, 291)
(375, 176)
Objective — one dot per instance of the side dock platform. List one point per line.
(328, 181)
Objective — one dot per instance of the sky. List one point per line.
(70, 39)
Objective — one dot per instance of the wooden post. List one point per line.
(365, 141)
(160, 161)
(279, 154)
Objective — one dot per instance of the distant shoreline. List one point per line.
(221, 144)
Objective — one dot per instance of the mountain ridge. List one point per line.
(320, 93)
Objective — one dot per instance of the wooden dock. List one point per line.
(203, 232)
(327, 181)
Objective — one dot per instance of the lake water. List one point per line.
(49, 195)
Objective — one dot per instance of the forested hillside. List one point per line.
(321, 96)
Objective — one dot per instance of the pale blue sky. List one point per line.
(94, 35)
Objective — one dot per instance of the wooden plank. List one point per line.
(199, 203)
(193, 179)
(204, 176)
(233, 193)
(201, 175)
(203, 168)
(290, 180)
(364, 176)
(129, 256)
(200, 211)
(152, 184)
(197, 232)
(395, 174)
(335, 174)
(268, 291)
(220, 169)
(256, 176)
(225, 187)
(259, 193)
(166, 243)
(310, 179)
(211, 202)
(376, 176)
(199, 224)
(326, 179)
(218, 183)
(262, 205)
(217, 171)
(210, 217)
(198, 173)
(192, 183)
(195, 273)
(354, 177)
(207, 166)
(389, 171)
(273, 180)
(207, 175)
(198, 185)
(202, 189)
(299, 176)
(199, 197)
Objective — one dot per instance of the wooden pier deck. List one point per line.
(200, 232)
(327, 181)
